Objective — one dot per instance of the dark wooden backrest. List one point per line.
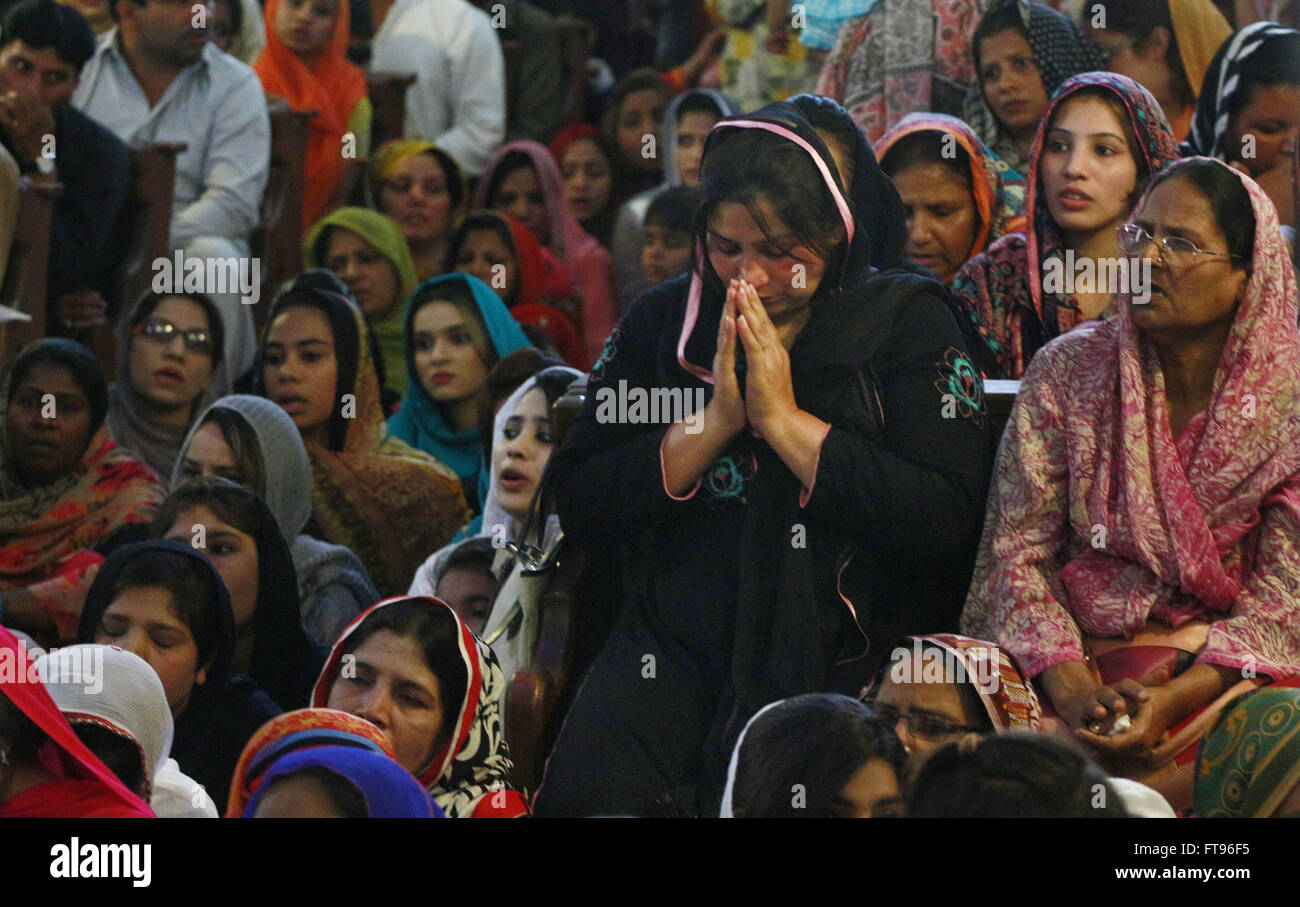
(513, 53)
(1000, 395)
(575, 39)
(387, 92)
(148, 212)
(534, 694)
(29, 256)
(277, 241)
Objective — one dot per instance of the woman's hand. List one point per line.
(726, 408)
(1151, 718)
(1092, 710)
(769, 391)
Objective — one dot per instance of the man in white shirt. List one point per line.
(156, 78)
(459, 96)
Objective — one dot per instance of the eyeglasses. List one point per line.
(923, 724)
(1133, 240)
(197, 340)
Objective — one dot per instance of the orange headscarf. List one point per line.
(333, 88)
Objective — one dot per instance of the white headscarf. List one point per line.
(425, 581)
(115, 689)
(726, 811)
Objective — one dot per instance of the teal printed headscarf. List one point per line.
(420, 421)
(1249, 764)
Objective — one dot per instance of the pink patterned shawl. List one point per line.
(1099, 520)
(902, 57)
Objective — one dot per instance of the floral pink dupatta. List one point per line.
(1175, 511)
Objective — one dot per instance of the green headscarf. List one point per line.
(1250, 762)
(386, 237)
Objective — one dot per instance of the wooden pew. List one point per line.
(534, 693)
(147, 214)
(1000, 395)
(148, 210)
(277, 241)
(388, 99)
(513, 53)
(575, 39)
(29, 260)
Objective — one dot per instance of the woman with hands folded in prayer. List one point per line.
(808, 497)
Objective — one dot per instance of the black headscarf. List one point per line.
(285, 661)
(792, 630)
(1247, 51)
(873, 191)
(224, 711)
(337, 309)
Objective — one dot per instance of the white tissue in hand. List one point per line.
(1122, 724)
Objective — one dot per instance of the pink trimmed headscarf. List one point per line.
(568, 242)
(697, 282)
(1177, 511)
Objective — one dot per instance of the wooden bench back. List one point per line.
(277, 241)
(29, 259)
(387, 92)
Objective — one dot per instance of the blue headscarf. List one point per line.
(390, 791)
(420, 421)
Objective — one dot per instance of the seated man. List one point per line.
(43, 47)
(539, 96)
(458, 99)
(155, 78)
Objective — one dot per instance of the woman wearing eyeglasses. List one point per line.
(1141, 549)
(981, 690)
(65, 487)
(169, 370)
(1102, 138)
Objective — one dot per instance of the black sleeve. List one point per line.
(88, 239)
(924, 489)
(607, 479)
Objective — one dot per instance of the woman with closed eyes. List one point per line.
(820, 412)
(165, 602)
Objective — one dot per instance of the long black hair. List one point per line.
(340, 314)
(797, 756)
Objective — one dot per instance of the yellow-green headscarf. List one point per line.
(386, 237)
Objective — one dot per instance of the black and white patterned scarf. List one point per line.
(1223, 83)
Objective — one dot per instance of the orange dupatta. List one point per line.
(333, 88)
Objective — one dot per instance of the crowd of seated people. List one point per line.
(676, 410)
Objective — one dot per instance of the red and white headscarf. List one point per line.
(466, 775)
